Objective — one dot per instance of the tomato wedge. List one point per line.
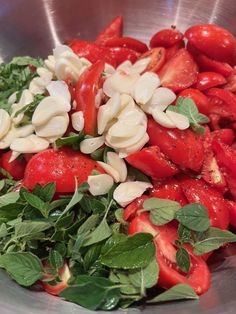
(131, 210)
(121, 54)
(112, 30)
(166, 38)
(85, 95)
(127, 42)
(61, 167)
(153, 163)
(232, 213)
(158, 58)
(231, 83)
(207, 64)
(179, 72)
(169, 274)
(207, 80)
(16, 168)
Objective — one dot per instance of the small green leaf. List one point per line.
(137, 175)
(73, 139)
(45, 192)
(184, 234)
(178, 292)
(55, 259)
(102, 232)
(119, 216)
(26, 60)
(183, 260)
(89, 224)
(3, 230)
(29, 229)
(9, 198)
(194, 217)
(5, 173)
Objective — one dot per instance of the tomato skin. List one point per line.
(207, 80)
(179, 72)
(112, 30)
(158, 58)
(198, 97)
(197, 191)
(131, 210)
(231, 83)
(120, 54)
(127, 42)
(85, 95)
(214, 41)
(208, 64)
(16, 168)
(199, 276)
(225, 136)
(232, 213)
(168, 189)
(171, 51)
(153, 163)
(166, 38)
(61, 167)
(184, 148)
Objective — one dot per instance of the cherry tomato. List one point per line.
(112, 30)
(198, 97)
(207, 80)
(213, 41)
(232, 213)
(231, 83)
(64, 274)
(127, 42)
(166, 38)
(208, 64)
(225, 136)
(170, 274)
(171, 51)
(179, 72)
(152, 162)
(16, 168)
(85, 95)
(131, 210)
(158, 59)
(184, 148)
(120, 54)
(168, 189)
(198, 191)
(61, 167)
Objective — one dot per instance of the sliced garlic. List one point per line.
(26, 98)
(110, 170)
(61, 49)
(145, 87)
(100, 184)
(65, 68)
(49, 107)
(89, 145)
(124, 152)
(122, 129)
(56, 126)
(132, 115)
(36, 86)
(59, 89)
(14, 156)
(180, 121)
(140, 65)
(5, 123)
(117, 163)
(12, 98)
(162, 118)
(44, 74)
(86, 62)
(161, 99)
(123, 83)
(125, 66)
(108, 70)
(107, 87)
(126, 100)
(29, 144)
(127, 192)
(49, 63)
(77, 120)
(15, 133)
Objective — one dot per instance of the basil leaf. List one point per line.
(55, 259)
(24, 268)
(194, 217)
(212, 240)
(9, 198)
(134, 251)
(178, 292)
(37, 203)
(102, 232)
(119, 216)
(183, 260)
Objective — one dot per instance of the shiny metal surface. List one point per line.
(34, 27)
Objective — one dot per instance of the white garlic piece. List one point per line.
(110, 170)
(29, 144)
(56, 126)
(59, 89)
(118, 164)
(181, 122)
(77, 120)
(161, 99)
(100, 184)
(145, 87)
(162, 118)
(5, 123)
(89, 145)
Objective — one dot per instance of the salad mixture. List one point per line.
(118, 165)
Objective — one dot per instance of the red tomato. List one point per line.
(127, 42)
(158, 58)
(166, 38)
(85, 95)
(152, 162)
(231, 83)
(120, 54)
(213, 41)
(61, 167)
(64, 274)
(208, 64)
(168, 189)
(179, 72)
(113, 30)
(170, 274)
(16, 168)
(207, 80)
(232, 213)
(171, 51)
(130, 211)
(226, 136)
(184, 148)
(197, 191)
(198, 97)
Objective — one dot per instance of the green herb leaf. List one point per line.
(194, 217)
(24, 268)
(45, 192)
(37, 203)
(5, 173)
(72, 140)
(26, 60)
(137, 175)
(178, 292)
(55, 259)
(9, 198)
(3, 230)
(30, 229)
(102, 232)
(212, 240)
(183, 260)
(184, 234)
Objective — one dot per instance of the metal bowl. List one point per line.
(34, 28)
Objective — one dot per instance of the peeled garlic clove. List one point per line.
(14, 156)
(145, 87)
(132, 115)
(162, 118)
(181, 122)
(24, 131)
(127, 192)
(109, 70)
(49, 63)
(123, 82)
(26, 98)
(45, 74)
(77, 120)
(125, 66)
(15, 133)
(134, 148)
(36, 88)
(126, 100)
(110, 170)
(12, 98)
(59, 89)
(162, 98)
(54, 127)
(89, 145)
(107, 87)
(29, 144)
(5, 122)
(49, 107)
(117, 163)
(140, 65)
(60, 49)
(65, 68)
(122, 129)
(100, 184)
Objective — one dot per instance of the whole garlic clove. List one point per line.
(89, 145)
(100, 184)
(145, 87)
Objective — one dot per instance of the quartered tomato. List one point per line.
(207, 64)
(170, 274)
(127, 42)
(157, 59)
(121, 54)
(166, 38)
(184, 148)
(131, 210)
(62, 167)
(231, 83)
(112, 30)
(207, 80)
(16, 168)
(171, 51)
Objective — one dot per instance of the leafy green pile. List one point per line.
(108, 267)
